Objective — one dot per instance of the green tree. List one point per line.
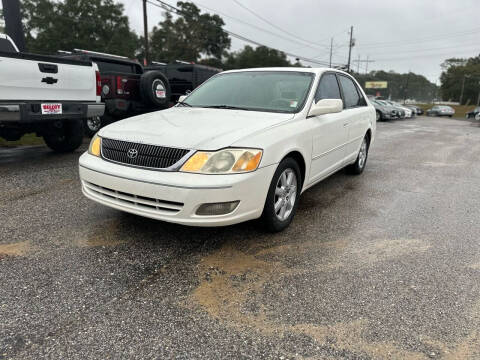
(189, 36)
(459, 71)
(98, 25)
(260, 56)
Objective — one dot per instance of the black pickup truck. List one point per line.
(129, 89)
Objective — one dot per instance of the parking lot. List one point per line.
(385, 265)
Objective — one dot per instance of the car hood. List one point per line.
(193, 128)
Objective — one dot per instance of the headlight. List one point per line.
(95, 145)
(226, 161)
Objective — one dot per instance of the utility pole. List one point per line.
(331, 51)
(366, 64)
(350, 45)
(463, 87)
(145, 32)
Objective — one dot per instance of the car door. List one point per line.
(355, 114)
(329, 134)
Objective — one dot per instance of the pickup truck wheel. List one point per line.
(155, 89)
(66, 139)
(282, 198)
(92, 125)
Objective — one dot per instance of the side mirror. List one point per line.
(182, 97)
(326, 106)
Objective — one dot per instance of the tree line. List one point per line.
(461, 74)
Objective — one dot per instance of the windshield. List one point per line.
(272, 91)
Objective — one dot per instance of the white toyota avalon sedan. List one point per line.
(244, 145)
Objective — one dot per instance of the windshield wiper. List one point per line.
(225, 107)
(183, 103)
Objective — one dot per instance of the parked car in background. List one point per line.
(383, 110)
(129, 89)
(408, 112)
(243, 145)
(46, 95)
(441, 110)
(473, 113)
(415, 109)
(400, 109)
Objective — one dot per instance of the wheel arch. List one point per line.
(300, 159)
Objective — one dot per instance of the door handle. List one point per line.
(49, 80)
(48, 68)
(345, 124)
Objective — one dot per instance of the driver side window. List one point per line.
(328, 88)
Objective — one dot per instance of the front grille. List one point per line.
(132, 200)
(151, 156)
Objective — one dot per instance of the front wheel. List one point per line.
(378, 116)
(359, 165)
(283, 194)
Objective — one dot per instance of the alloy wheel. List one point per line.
(285, 194)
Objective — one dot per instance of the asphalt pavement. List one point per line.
(385, 265)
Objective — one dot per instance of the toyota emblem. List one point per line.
(132, 153)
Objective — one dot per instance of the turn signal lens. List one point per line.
(226, 161)
(95, 144)
(248, 161)
(196, 162)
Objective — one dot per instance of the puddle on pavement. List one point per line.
(14, 249)
(230, 279)
(107, 234)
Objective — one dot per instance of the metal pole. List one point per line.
(331, 50)
(366, 65)
(350, 48)
(145, 31)
(463, 87)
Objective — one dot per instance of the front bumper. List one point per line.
(174, 196)
(30, 112)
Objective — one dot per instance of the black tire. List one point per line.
(68, 138)
(379, 116)
(92, 126)
(359, 165)
(155, 89)
(269, 217)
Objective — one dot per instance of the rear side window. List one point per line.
(328, 88)
(352, 97)
(6, 46)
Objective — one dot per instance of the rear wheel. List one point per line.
(282, 198)
(67, 138)
(379, 116)
(359, 165)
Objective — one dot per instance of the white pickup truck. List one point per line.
(50, 96)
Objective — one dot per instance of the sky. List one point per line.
(407, 35)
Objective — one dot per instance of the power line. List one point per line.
(274, 25)
(249, 24)
(175, 10)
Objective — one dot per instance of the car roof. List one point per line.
(315, 70)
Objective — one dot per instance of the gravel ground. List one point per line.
(381, 266)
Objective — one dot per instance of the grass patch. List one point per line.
(460, 110)
(27, 139)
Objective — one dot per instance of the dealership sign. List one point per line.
(376, 84)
